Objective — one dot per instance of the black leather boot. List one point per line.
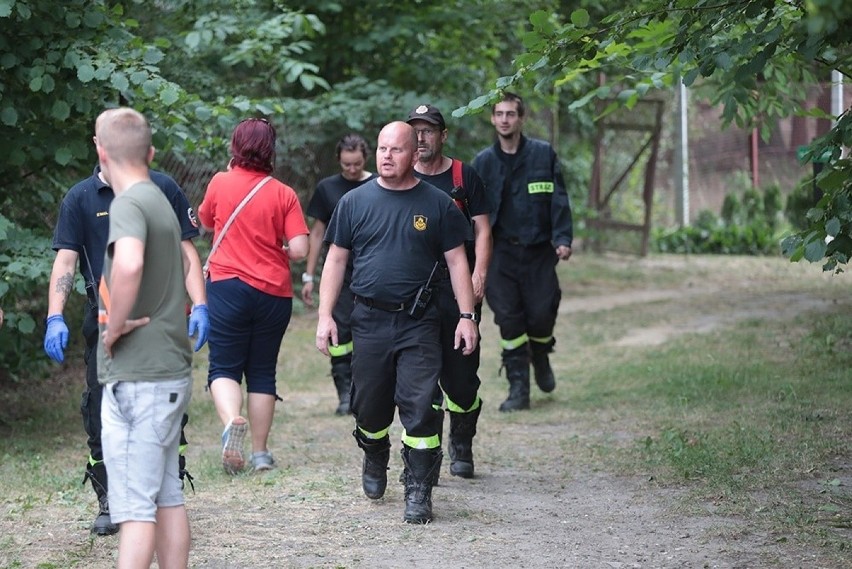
(341, 372)
(541, 367)
(374, 474)
(420, 465)
(517, 364)
(102, 525)
(183, 473)
(462, 431)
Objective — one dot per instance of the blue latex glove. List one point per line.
(199, 322)
(56, 338)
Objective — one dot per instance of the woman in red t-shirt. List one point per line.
(249, 289)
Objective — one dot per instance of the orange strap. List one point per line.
(103, 291)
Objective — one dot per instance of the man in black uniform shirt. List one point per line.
(396, 228)
(459, 379)
(352, 154)
(81, 235)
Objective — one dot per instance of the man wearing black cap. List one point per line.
(459, 379)
(531, 222)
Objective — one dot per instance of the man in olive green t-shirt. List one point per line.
(144, 357)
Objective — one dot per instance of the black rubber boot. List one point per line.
(420, 465)
(517, 364)
(341, 372)
(541, 366)
(374, 474)
(102, 525)
(462, 431)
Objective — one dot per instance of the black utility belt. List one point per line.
(518, 242)
(381, 305)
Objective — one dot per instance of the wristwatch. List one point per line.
(469, 316)
(307, 278)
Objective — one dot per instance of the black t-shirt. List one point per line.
(83, 224)
(326, 195)
(509, 217)
(472, 193)
(473, 188)
(395, 237)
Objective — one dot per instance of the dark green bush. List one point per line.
(746, 227)
(772, 204)
(799, 202)
(26, 259)
(731, 209)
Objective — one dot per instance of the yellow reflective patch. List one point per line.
(540, 187)
(341, 350)
(514, 342)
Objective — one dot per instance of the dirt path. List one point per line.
(531, 505)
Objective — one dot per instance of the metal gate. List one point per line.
(621, 192)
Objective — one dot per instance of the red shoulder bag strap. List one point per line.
(457, 173)
(457, 182)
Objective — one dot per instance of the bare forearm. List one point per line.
(315, 238)
(460, 278)
(332, 279)
(483, 245)
(61, 281)
(193, 277)
(123, 291)
(125, 280)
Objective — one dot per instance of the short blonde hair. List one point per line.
(125, 135)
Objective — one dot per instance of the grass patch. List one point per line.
(743, 425)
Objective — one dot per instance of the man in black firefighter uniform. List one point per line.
(81, 236)
(459, 379)
(396, 228)
(532, 228)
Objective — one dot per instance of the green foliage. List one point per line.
(828, 237)
(799, 202)
(746, 226)
(731, 209)
(754, 57)
(25, 263)
(194, 67)
(772, 204)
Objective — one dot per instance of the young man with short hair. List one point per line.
(532, 228)
(144, 359)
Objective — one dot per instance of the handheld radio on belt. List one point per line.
(423, 296)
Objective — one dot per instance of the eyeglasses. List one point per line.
(261, 119)
(427, 132)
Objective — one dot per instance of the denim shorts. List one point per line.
(140, 435)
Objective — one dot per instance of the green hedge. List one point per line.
(748, 225)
